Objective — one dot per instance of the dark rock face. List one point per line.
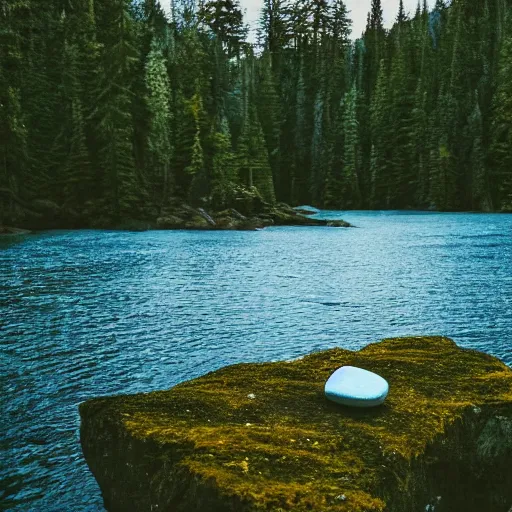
(256, 437)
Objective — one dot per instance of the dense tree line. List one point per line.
(111, 107)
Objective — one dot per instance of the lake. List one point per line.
(91, 313)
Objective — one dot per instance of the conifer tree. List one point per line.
(225, 19)
(479, 181)
(380, 169)
(443, 173)
(402, 179)
(274, 31)
(269, 112)
(419, 137)
(159, 136)
(76, 176)
(121, 187)
(299, 181)
(13, 132)
(224, 170)
(402, 16)
(260, 165)
(352, 157)
(193, 182)
(42, 88)
(501, 149)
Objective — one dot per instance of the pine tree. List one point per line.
(42, 99)
(479, 181)
(193, 183)
(402, 179)
(260, 165)
(159, 136)
(352, 157)
(77, 174)
(225, 19)
(419, 135)
(299, 182)
(253, 162)
(269, 112)
(224, 170)
(318, 148)
(381, 179)
(122, 189)
(375, 45)
(274, 31)
(501, 148)
(443, 172)
(402, 16)
(13, 132)
(199, 187)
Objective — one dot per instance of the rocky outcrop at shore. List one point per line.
(252, 214)
(255, 437)
(182, 216)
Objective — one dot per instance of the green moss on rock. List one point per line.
(254, 437)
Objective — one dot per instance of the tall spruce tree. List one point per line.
(159, 134)
(381, 171)
(351, 152)
(501, 148)
(13, 131)
(122, 189)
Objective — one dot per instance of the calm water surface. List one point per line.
(94, 313)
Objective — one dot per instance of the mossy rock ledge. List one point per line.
(263, 437)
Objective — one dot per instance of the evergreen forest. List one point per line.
(113, 107)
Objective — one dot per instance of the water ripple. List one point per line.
(96, 313)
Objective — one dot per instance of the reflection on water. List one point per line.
(98, 313)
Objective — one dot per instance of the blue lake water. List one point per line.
(93, 313)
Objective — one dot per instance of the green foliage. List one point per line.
(253, 161)
(108, 103)
(122, 189)
(501, 145)
(352, 157)
(224, 169)
(381, 170)
(13, 130)
(159, 114)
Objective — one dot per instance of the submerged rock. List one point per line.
(254, 437)
(338, 224)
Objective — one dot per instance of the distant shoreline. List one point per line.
(186, 218)
(182, 217)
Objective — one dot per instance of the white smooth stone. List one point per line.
(356, 387)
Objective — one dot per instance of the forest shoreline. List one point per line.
(200, 220)
(121, 105)
(177, 216)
